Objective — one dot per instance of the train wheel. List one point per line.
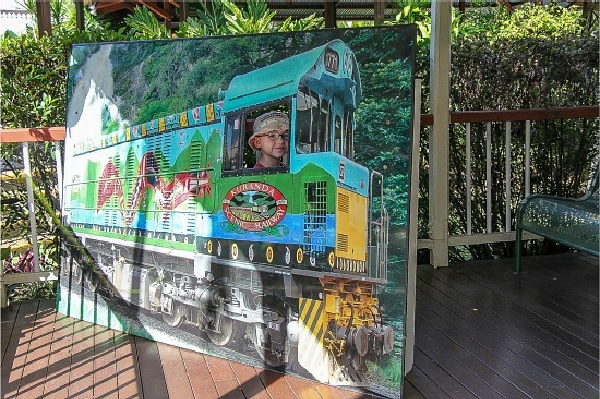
(263, 347)
(221, 331)
(176, 317)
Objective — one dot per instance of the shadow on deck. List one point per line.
(481, 332)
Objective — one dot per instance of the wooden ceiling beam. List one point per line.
(112, 6)
(152, 6)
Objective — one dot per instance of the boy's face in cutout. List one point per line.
(273, 145)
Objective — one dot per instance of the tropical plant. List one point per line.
(310, 22)
(225, 17)
(532, 21)
(256, 19)
(143, 25)
(209, 21)
(416, 12)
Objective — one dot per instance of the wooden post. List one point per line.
(184, 11)
(441, 18)
(167, 8)
(79, 15)
(329, 14)
(42, 10)
(379, 12)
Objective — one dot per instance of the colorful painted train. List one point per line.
(287, 259)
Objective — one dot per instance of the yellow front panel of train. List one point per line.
(351, 231)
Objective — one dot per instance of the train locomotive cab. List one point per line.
(318, 215)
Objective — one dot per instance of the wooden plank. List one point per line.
(81, 383)
(573, 353)
(12, 366)
(410, 392)
(450, 357)
(304, 389)
(329, 391)
(202, 384)
(573, 306)
(507, 344)
(276, 385)
(57, 382)
(432, 380)
(224, 378)
(32, 134)
(577, 301)
(178, 383)
(37, 356)
(151, 372)
(504, 373)
(464, 293)
(8, 317)
(105, 369)
(249, 381)
(128, 373)
(459, 304)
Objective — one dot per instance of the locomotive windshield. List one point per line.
(321, 125)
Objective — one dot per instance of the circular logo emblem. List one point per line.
(209, 247)
(270, 254)
(254, 206)
(331, 259)
(288, 256)
(251, 253)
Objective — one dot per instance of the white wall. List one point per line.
(13, 17)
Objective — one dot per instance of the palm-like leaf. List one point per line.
(143, 24)
(310, 22)
(209, 21)
(257, 20)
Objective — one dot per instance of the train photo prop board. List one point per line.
(245, 197)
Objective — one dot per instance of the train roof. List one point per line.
(278, 80)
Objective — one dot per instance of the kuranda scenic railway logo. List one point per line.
(254, 206)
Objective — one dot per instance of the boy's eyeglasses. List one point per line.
(274, 136)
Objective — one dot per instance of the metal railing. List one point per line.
(513, 130)
(25, 137)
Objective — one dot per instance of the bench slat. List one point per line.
(574, 222)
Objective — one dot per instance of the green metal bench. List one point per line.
(574, 222)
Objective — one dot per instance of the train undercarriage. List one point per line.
(327, 325)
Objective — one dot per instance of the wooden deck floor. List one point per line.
(481, 332)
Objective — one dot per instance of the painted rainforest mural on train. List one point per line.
(301, 264)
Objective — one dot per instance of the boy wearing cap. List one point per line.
(271, 137)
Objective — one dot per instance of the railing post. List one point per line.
(441, 13)
(31, 207)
